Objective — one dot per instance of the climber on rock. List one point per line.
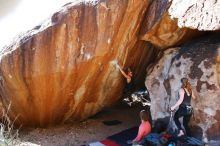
(185, 109)
(129, 83)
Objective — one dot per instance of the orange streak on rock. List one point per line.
(62, 70)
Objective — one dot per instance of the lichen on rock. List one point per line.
(196, 14)
(195, 60)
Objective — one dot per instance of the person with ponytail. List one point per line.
(185, 109)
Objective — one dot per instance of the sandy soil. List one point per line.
(83, 133)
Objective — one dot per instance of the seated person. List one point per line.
(144, 128)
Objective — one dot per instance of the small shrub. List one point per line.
(8, 135)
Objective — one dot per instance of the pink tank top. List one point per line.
(144, 129)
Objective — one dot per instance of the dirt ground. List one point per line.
(83, 133)
(90, 130)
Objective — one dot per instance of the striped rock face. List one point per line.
(65, 68)
(199, 62)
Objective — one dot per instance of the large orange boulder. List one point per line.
(65, 68)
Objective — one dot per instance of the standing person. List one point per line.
(185, 108)
(129, 82)
(144, 128)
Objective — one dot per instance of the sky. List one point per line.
(21, 15)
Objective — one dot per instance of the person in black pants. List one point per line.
(129, 82)
(185, 108)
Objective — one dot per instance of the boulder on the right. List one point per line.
(196, 14)
(199, 61)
